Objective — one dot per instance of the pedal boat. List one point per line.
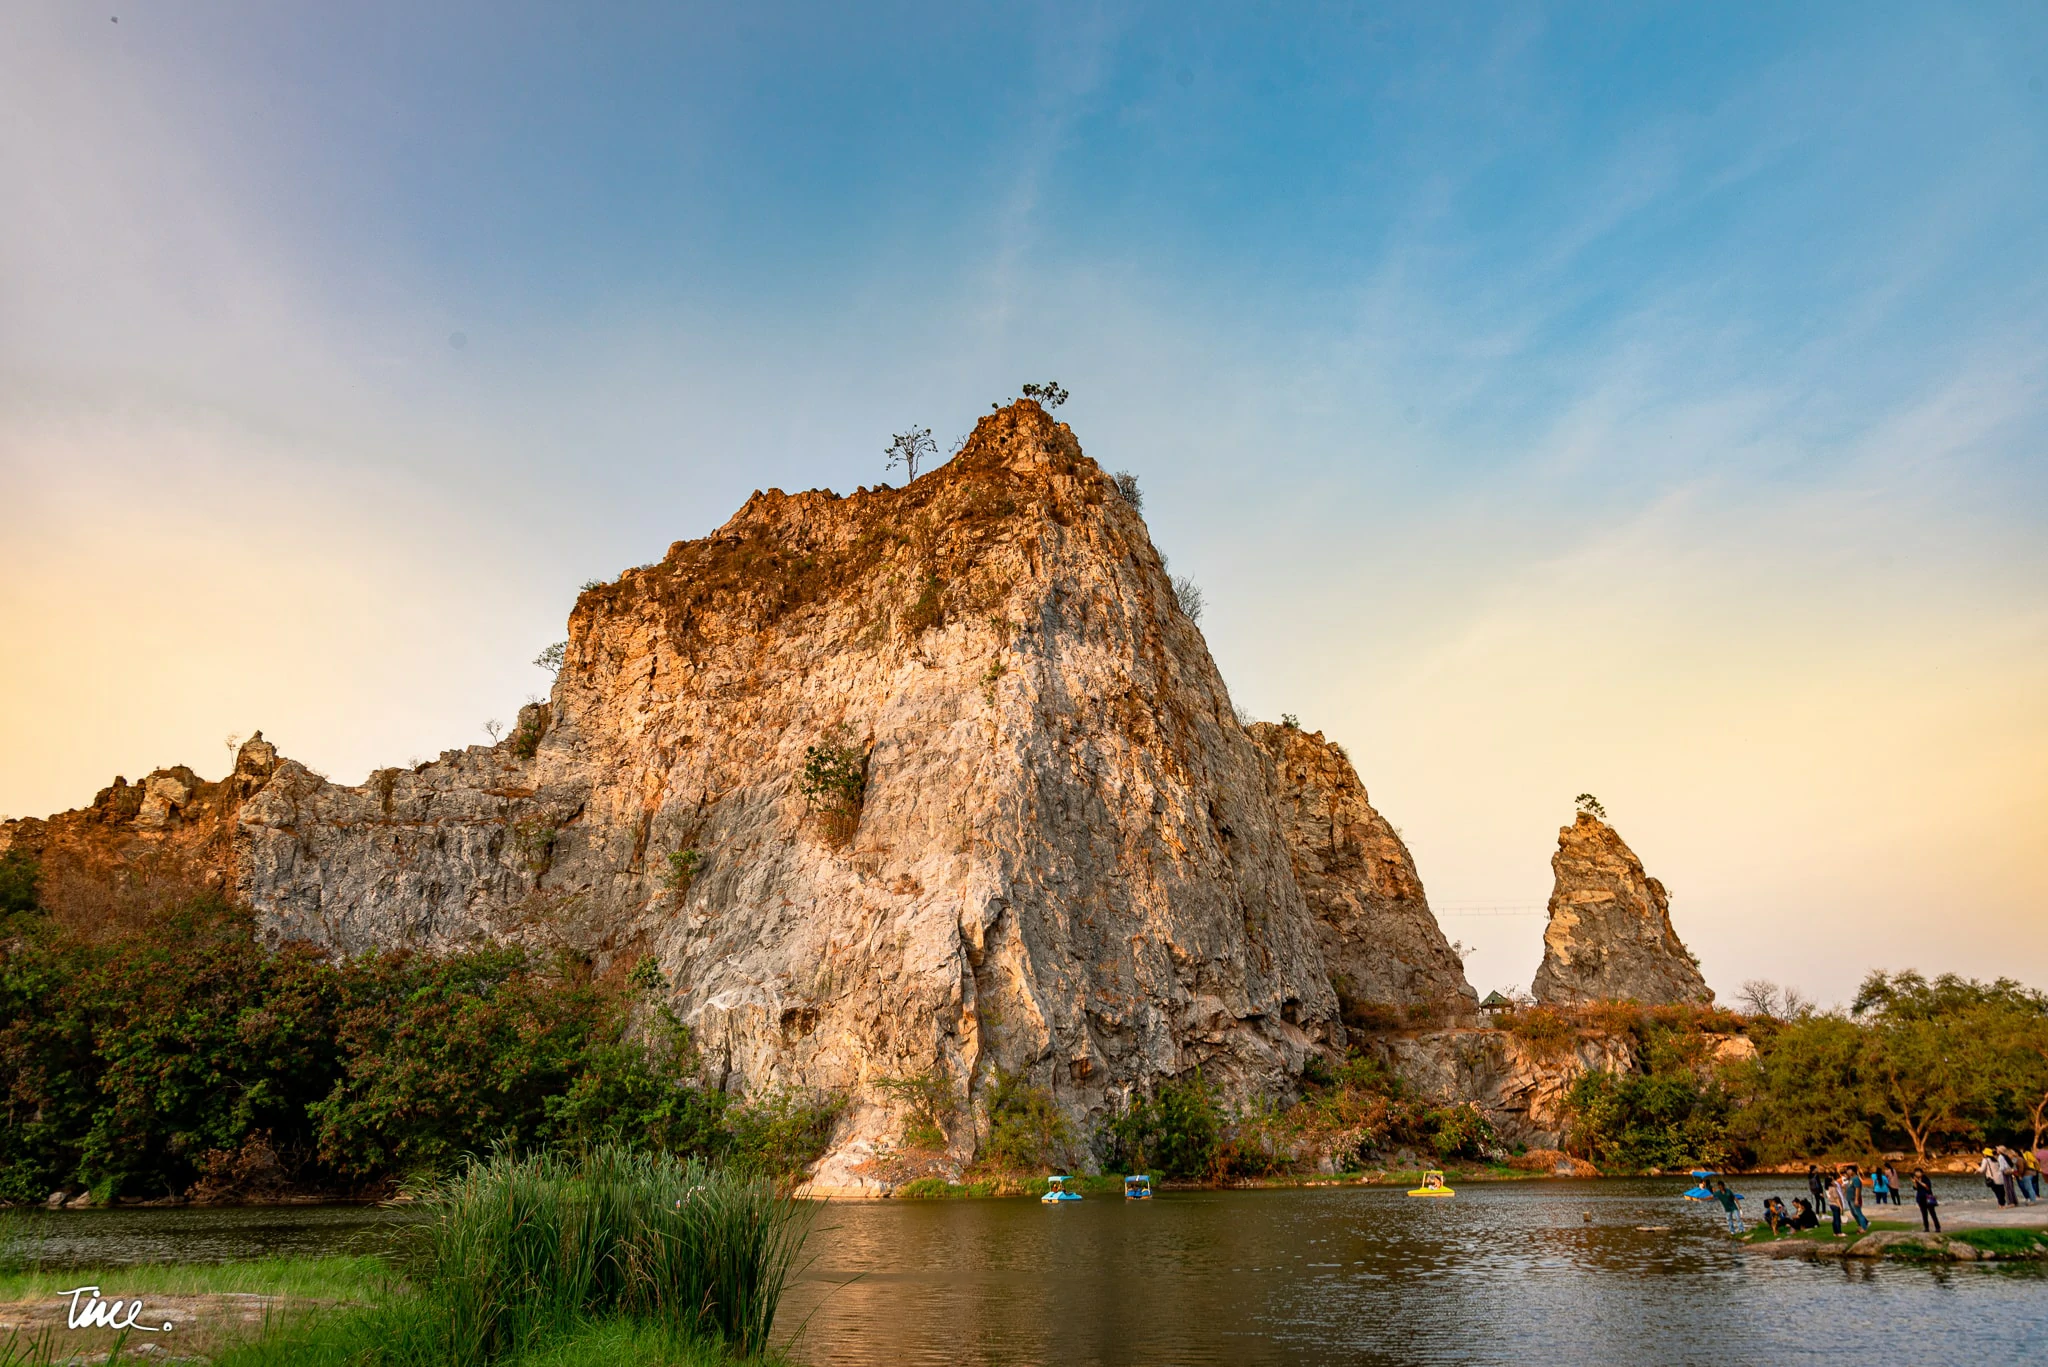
(1138, 1188)
(1058, 1192)
(1432, 1185)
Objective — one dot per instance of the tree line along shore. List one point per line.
(172, 1058)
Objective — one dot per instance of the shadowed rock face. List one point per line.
(1381, 943)
(1610, 934)
(1066, 861)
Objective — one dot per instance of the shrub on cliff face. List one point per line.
(533, 726)
(1547, 1032)
(834, 782)
(681, 871)
(927, 1099)
(930, 608)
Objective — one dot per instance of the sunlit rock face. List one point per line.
(1610, 935)
(1066, 860)
(1382, 945)
(141, 846)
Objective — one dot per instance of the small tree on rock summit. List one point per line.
(1590, 805)
(908, 448)
(1049, 394)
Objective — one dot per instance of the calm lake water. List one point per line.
(1503, 1273)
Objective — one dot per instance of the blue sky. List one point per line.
(1644, 399)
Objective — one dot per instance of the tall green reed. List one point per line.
(523, 1249)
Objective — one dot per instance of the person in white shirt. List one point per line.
(1993, 1175)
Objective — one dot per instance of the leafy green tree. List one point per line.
(1633, 1121)
(1930, 1065)
(141, 1062)
(1919, 1076)
(2015, 1037)
(1801, 1097)
(1909, 996)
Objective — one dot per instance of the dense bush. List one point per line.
(1177, 1132)
(151, 1063)
(1026, 1129)
(1635, 1121)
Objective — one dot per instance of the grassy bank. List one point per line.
(617, 1256)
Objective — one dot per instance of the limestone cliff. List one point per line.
(1610, 935)
(1050, 849)
(1382, 945)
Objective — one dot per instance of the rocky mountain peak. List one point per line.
(1610, 935)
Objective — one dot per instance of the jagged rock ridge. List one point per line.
(1610, 935)
(1379, 940)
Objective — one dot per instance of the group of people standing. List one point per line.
(1843, 1190)
(2014, 1175)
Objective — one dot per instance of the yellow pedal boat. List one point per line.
(1432, 1185)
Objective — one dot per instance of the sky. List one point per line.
(1649, 400)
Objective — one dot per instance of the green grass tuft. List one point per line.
(2006, 1242)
